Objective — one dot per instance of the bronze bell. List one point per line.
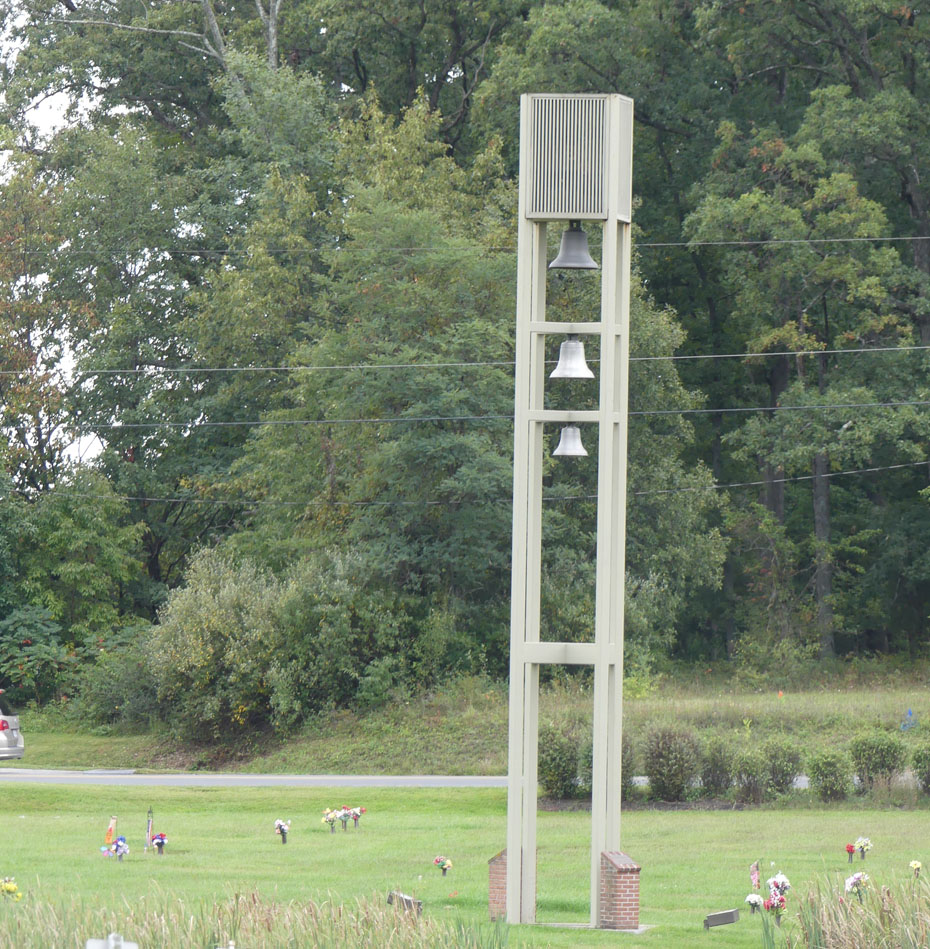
(573, 251)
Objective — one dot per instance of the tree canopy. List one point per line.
(256, 340)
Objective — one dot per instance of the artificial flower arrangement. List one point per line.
(915, 866)
(282, 827)
(754, 901)
(857, 883)
(444, 864)
(778, 884)
(863, 845)
(776, 903)
(330, 816)
(119, 848)
(159, 841)
(850, 850)
(10, 890)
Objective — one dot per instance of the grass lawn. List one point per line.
(222, 842)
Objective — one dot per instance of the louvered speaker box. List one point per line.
(580, 156)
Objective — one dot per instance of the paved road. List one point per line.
(199, 779)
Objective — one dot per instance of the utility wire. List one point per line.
(256, 502)
(153, 253)
(118, 426)
(507, 364)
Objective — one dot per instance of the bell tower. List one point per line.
(576, 168)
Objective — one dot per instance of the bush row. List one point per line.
(679, 767)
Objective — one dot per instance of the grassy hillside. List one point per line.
(463, 729)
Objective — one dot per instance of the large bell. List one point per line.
(573, 251)
(571, 361)
(570, 442)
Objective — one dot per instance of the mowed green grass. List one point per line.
(222, 842)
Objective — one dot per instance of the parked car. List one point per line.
(11, 738)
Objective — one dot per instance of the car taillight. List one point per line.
(4, 725)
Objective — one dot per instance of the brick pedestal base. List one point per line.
(618, 903)
(497, 886)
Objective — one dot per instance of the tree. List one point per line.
(805, 295)
(33, 331)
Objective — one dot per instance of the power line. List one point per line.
(782, 408)
(508, 364)
(757, 484)
(315, 502)
(154, 370)
(219, 252)
(788, 352)
(118, 426)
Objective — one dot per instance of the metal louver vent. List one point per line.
(569, 162)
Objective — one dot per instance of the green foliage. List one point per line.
(627, 765)
(717, 762)
(671, 762)
(920, 762)
(828, 772)
(209, 652)
(558, 763)
(118, 686)
(33, 662)
(84, 558)
(784, 763)
(751, 774)
(338, 641)
(877, 756)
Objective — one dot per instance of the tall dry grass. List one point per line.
(248, 920)
(889, 917)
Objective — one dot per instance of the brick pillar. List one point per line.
(618, 902)
(497, 886)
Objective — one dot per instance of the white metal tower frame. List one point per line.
(575, 164)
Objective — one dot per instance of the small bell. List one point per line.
(571, 361)
(570, 442)
(573, 251)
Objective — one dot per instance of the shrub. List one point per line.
(557, 763)
(716, 766)
(210, 653)
(751, 773)
(671, 760)
(920, 762)
(627, 766)
(118, 687)
(828, 772)
(784, 763)
(877, 755)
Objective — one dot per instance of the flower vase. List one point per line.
(752, 909)
(119, 857)
(159, 848)
(862, 852)
(332, 828)
(444, 870)
(283, 836)
(355, 820)
(850, 857)
(345, 825)
(778, 919)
